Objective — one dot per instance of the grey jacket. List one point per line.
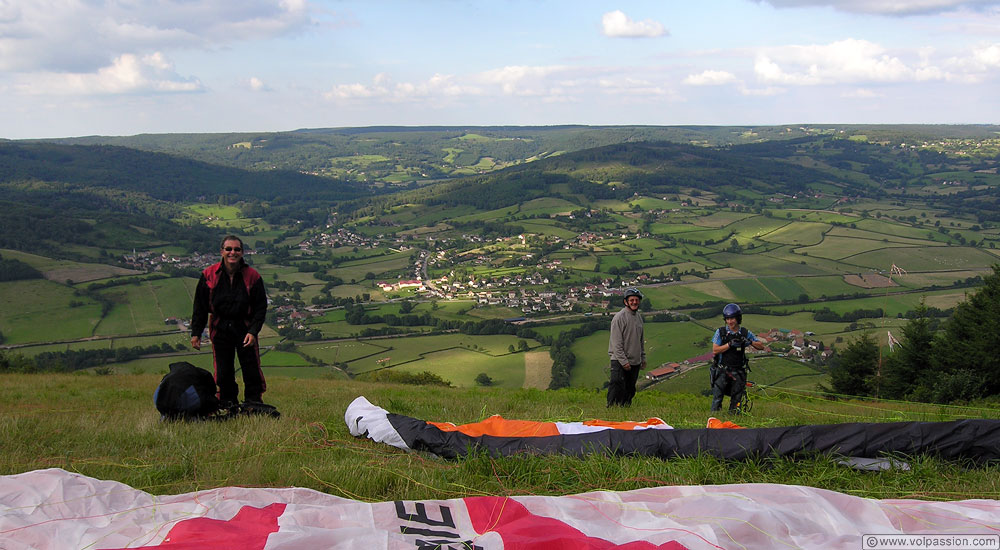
(626, 344)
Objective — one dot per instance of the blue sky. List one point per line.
(123, 67)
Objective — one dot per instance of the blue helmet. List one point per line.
(733, 310)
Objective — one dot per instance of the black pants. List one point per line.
(227, 344)
(731, 382)
(621, 388)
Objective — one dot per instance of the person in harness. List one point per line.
(729, 369)
(233, 293)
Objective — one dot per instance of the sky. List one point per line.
(126, 67)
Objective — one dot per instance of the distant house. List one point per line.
(663, 371)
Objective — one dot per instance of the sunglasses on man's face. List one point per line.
(233, 249)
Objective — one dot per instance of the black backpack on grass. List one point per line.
(186, 393)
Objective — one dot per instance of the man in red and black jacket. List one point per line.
(233, 293)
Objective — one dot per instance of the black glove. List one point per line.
(736, 343)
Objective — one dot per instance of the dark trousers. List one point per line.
(227, 344)
(731, 382)
(621, 387)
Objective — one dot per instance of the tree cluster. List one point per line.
(958, 363)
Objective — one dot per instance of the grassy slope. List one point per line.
(106, 427)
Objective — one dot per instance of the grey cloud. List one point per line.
(888, 7)
(67, 35)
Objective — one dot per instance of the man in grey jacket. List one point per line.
(626, 349)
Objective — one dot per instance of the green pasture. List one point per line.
(798, 233)
(721, 218)
(892, 304)
(815, 263)
(33, 350)
(938, 258)
(135, 311)
(489, 215)
(922, 240)
(222, 216)
(161, 365)
(650, 203)
(343, 351)
(665, 342)
(352, 290)
(546, 227)
(704, 236)
(673, 296)
(819, 216)
(458, 358)
(785, 288)
(800, 320)
(172, 339)
(38, 310)
(757, 226)
(41, 263)
(918, 279)
(309, 372)
(461, 366)
(355, 271)
(583, 263)
(845, 248)
(63, 270)
(681, 267)
(337, 329)
(826, 286)
(662, 228)
(494, 312)
(556, 330)
(274, 358)
(453, 310)
(358, 161)
(750, 291)
(547, 205)
(764, 372)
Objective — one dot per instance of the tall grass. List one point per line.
(106, 427)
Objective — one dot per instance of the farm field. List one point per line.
(143, 308)
(665, 342)
(455, 357)
(764, 371)
(39, 310)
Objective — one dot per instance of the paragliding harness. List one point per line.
(188, 393)
(717, 369)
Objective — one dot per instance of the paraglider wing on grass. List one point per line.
(59, 510)
(972, 439)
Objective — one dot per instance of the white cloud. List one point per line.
(616, 24)
(988, 57)
(83, 36)
(845, 61)
(861, 93)
(382, 86)
(710, 78)
(521, 79)
(127, 74)
(760, 92)
(258, 85)
(889, 7)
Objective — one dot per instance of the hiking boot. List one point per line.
(229, 407)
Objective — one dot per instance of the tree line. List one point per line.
(959, 362)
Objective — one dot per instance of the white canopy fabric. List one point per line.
(58, 510)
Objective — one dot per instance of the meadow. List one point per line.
(66, 421)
